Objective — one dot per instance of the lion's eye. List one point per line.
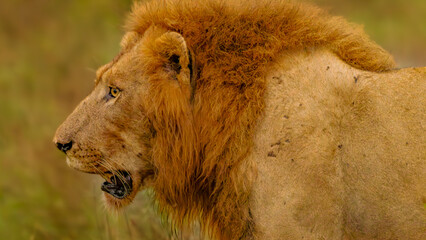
(113, 92)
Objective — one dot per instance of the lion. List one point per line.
(259, 119)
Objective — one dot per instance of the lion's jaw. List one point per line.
(121, 185)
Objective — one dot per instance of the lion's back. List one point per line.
(344, 154)
(386, 159)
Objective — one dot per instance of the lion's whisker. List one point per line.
(108, 165)
(102, 174)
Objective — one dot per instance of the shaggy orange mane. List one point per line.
(200, 156)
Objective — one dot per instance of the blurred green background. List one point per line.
(49, 51)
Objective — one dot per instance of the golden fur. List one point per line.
(194, 79)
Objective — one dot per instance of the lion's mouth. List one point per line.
(119, 185)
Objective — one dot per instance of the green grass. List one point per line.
(50, 50)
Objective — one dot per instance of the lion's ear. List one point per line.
(179, 63)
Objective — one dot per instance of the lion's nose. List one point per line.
(64, 147)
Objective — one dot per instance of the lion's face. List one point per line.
(108, 133)
(112, 131)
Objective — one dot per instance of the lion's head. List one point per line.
(112, 132)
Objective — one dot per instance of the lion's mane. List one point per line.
(200, 157)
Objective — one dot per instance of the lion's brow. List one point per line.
(108, 66)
